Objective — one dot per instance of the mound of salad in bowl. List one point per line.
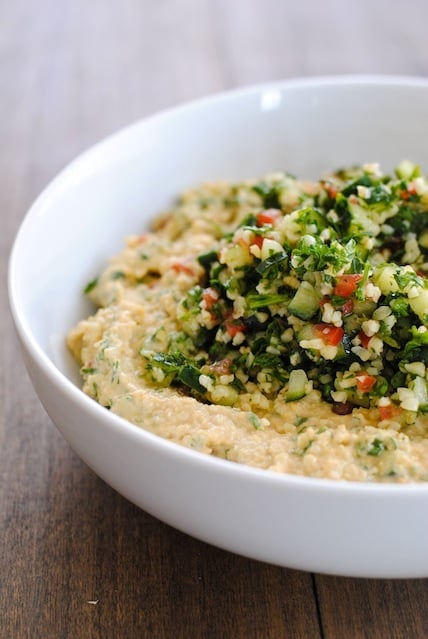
(275, 322)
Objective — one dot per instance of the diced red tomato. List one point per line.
(411, 190)
(268, 217)
(233, 327)
(179, 267)
(364, 339)
(389, 411)
(331, 335)
(210, 297)
(332, 190)
(365, 382)
(346, 284)
(258, 240)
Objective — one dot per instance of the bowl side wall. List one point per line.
(114, 190)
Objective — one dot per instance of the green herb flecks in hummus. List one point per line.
(277, 323)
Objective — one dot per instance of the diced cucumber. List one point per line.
(361, 221)
(383, 277)
(358, 399)
(423, 239)
(306, 301)
(364, 307)
(236, 256)
(297, 385)
(307, 332)
(419, 304)
(344, 348)
(407, 170)
(269, 248)
(419, 388)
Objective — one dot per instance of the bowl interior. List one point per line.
(114, 189)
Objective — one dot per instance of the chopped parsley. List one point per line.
(90, 286)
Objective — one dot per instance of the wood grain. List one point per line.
(363, 608)
(76, 559)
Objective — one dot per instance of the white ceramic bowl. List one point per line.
(113, 190)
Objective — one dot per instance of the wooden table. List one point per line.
(76, 559)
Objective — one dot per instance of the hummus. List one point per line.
(276, 323)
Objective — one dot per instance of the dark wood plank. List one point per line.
(367, 608)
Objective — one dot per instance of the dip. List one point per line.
(277, 322)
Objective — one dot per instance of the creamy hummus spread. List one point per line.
(277, 323)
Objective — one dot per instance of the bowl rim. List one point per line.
(62, 382)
